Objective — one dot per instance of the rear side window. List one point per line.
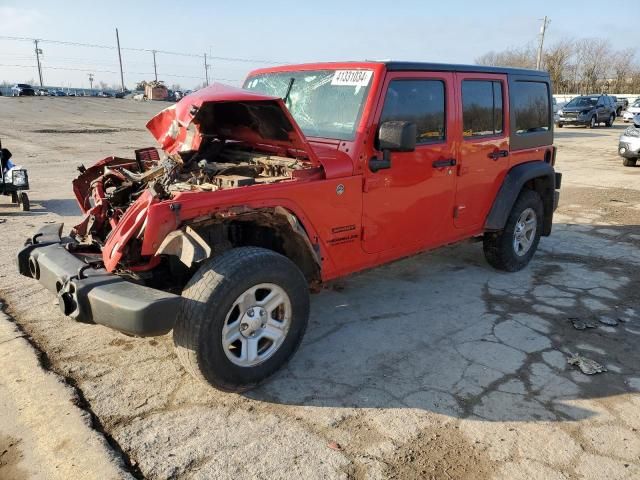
(419, 101)
(482, 112)
(530, 101)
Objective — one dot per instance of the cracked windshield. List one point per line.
(324, 103)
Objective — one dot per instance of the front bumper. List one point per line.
(92, 295)
(573, 121)
(629, 148)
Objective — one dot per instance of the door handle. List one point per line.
(495, 155)
(450, 162)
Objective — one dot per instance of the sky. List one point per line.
(268, 32)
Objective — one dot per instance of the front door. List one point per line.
(411, 204)
(483, 153)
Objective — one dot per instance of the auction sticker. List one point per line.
(352, 78)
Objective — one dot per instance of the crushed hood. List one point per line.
(231, 114)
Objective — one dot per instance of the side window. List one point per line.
(419, 101)
(530, 102)
(482, 113)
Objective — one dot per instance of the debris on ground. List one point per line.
(586, 365)
(608, 321)
(579, 324)
(335, 446)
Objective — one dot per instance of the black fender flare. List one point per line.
(542, 177)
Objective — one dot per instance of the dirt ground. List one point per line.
(432, 367)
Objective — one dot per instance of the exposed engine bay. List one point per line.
(106, 190)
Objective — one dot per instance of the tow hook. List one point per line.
(66, 299)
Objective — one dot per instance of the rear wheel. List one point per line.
(612, 118)
(243, 315)
(23, 201)
(560, 125)
(512, 248)
(629, 162)
(593, 123)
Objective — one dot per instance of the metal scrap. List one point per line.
(586, 365)
(579, 324)
(608, 321)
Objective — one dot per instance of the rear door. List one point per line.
(483, 152)
(411, 204)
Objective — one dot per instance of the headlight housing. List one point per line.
(632, 132)
(560, 112)
(19, 178)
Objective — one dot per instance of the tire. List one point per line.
(560, 125)
(609, 123)
(211, 303)
(593, 123)
(23, 201)
(500, 247)
(629, 162)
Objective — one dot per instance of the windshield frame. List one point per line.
(365, 103)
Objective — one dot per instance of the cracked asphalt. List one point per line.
(432, 367)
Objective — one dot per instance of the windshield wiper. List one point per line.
(286, 95)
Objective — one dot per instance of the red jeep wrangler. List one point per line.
(309, 173)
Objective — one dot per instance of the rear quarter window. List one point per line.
(530, 102)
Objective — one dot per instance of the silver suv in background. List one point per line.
(629, 145)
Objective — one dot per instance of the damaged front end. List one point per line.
(217, 139)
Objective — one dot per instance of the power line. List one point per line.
(165, 52)
(116, 72)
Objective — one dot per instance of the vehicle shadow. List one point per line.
(63, 207)
(446, 333)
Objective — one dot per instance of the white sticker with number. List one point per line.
(351, 78)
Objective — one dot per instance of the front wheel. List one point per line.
(612, 118)
(593, 123)
(512, 248)
(243, 315)
(560, 125)
(23, 201)
(629, 162)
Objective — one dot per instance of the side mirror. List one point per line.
(393, 136)
(397, 136)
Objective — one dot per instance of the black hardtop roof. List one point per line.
(447, 67)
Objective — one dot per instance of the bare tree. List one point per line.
(593, 57)
(524, 57)
(589, 65)
(176, 86)
(622, 68)
(557, 61)
(103, 85)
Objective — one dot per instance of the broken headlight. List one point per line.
(19, 178)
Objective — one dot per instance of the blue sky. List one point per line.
(279, 31)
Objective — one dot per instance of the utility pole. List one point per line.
(155, 69)
(543, 30)
(38, 52)
(91, 82)
(206, 70)
(120, 59)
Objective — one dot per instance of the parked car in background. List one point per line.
(22, 90)
(119, 94)
(71, 93)
(104, 94)
(42, 92)
(588, 110)
(629, 144)
(631, 111)
(622, 104)
(59, 93)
